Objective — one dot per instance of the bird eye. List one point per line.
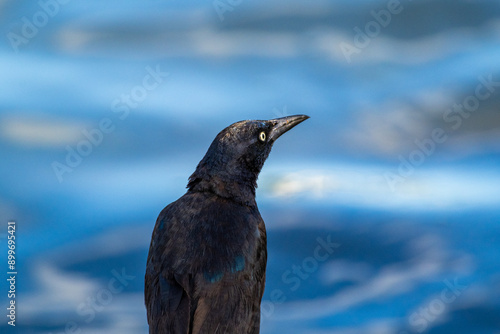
(262, 136)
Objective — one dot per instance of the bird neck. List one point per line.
(239, 188)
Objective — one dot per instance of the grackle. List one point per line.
(206, 265)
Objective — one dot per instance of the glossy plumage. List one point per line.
(207, 259)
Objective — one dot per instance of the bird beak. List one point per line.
(283, 124)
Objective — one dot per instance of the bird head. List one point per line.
(232, 164)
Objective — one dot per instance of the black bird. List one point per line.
(206, 265)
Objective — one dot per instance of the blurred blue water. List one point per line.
(415, 243)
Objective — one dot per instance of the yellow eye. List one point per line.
(262, 136)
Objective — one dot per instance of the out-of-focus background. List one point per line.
(382, 210)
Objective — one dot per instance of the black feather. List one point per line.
(207, 259)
